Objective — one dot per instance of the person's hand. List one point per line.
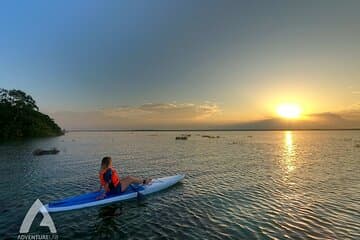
(102, 196)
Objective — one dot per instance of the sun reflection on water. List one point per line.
(289, 153)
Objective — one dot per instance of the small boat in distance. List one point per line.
(181, 138)
(39, 151)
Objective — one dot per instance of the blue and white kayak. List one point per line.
(91, 199)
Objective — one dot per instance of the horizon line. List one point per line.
(208, 130)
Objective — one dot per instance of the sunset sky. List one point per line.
(185, 64)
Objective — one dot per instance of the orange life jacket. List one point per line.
(115, 180)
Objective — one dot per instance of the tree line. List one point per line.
(20, 117)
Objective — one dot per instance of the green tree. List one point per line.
(20, 117)
(17, 98)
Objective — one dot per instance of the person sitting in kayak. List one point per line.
(110, 180)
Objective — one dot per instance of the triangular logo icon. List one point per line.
(31, 214)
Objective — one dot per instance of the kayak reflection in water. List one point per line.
(111, 182)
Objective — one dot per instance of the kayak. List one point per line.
(91, 199)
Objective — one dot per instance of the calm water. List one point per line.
(243, 185)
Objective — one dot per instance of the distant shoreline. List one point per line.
(208, 130)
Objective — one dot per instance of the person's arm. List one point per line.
(102, 196)
(107, 178)
(106, 187)
(101, 187)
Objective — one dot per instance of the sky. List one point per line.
(184, 64)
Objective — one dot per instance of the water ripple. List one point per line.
(273, 185)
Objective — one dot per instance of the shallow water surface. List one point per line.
(242, 185)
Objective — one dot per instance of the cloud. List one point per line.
(196, 116)
(150, 115)
(124, 112)
(161, 111)
(325, 116)
(326, 120)
(352, 112)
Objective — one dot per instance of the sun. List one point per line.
(289, 110)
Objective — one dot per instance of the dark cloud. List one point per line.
(352, 112)
(326, 120)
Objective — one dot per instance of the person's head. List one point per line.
(106, 162)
